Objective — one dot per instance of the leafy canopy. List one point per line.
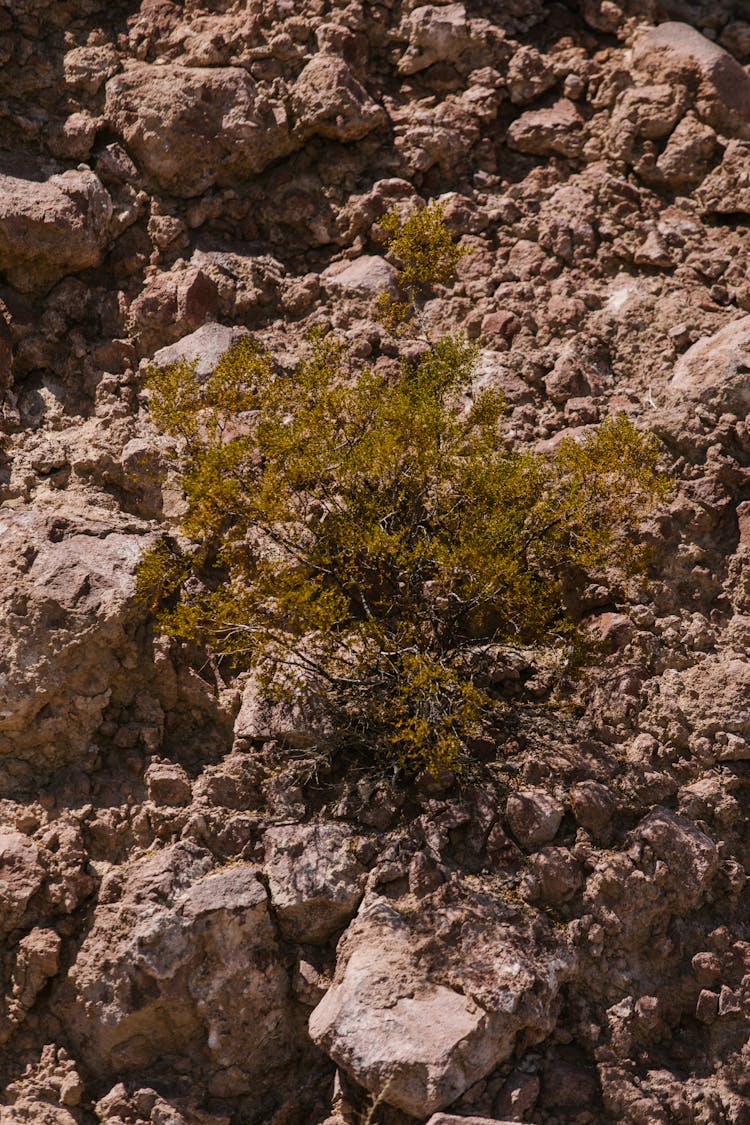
(366, 540)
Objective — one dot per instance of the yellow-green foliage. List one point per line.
(365, 538)
(427, 255)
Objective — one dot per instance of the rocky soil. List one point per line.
(205, 920)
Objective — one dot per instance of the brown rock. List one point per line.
(726, 190)
(172, 305)
(687, 156)
(707, 969)
(677, 52)
(191, 127)
(314, 878)
(329, 101)
(558, 875)
(593, 805)
(690, 857)
(529, 75)
(21, 876)
(185, 961)
(543, 132)
(6, 349)
(534, 816)
(167, 784)
(707, 1007)
(51, 228)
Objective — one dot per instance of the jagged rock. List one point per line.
(69, 616)
(204, 347)
(417, 1015)
(667, 871)
(21, 876)
(173, 305)
(328, 101)
(529, 75)
(184, 959)
(51, 228)
(314, 878)
(436, 34)
(167, 784)
(677, 52)
(726, 190)
(191, 127)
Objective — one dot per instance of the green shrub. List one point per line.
(367, 540)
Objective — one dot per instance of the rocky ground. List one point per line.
(204, 925)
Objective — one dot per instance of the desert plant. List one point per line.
(366, 539)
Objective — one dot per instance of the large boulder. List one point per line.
(51, 228)
(68, 623)
(675, 52)
(424, 1005)
(716, 371)
(182, 958)
(191, 127)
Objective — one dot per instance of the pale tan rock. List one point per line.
(368, 275)
(204, 347)
(716, 370)
(419, 1037)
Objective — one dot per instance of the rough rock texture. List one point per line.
(422, 1008)
(205, 919)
